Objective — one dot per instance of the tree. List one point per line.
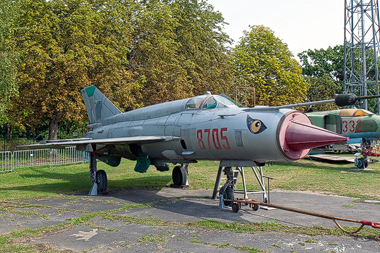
(152, 60)
(325, 69)
(323, 61)
(263, 61)
(178, 51)
(321, 88)
(136, 52)
(66, 46)
(8, 57)
(202, 52)
(318, 63)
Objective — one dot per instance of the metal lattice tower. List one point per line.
(361, 49)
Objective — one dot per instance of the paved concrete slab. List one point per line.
(142, 220)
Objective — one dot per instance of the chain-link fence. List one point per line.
(9, 161)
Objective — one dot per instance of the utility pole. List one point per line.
(361, 49)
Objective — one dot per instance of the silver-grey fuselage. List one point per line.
(200, 132)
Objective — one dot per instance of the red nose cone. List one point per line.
(296, 136)
(300, 136)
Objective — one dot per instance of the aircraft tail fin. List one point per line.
(98, 106)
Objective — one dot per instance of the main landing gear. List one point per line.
(361, 163)
(98, 178)
(179, 175)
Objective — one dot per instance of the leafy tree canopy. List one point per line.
(324, 70)
(323, 61)
(179, 51)
(263, 61)
(8, 57)
(66, 46)
(321, 88)
(137, 53)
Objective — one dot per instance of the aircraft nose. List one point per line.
(297, 136)
(301, 136)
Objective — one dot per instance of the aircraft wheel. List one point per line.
(228, 194)
(235, 207)
(362, 163)
(101, 180)
(365, 163)
(179, 176)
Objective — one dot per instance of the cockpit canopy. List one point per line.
(354, 113)
(208, 101)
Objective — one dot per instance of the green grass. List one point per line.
(337, 179)
(75, 178)
(302, 175)
(61, 181)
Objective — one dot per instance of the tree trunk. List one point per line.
(53, 128)
(9, 132)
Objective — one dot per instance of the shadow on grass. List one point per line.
(59, 182)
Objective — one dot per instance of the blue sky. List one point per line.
(302, 24)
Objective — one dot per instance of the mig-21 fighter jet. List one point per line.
(205, 127)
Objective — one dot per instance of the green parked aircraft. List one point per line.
(361, 126)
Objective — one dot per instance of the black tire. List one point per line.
(101, 180)
(228, 194)
(360, 164)
(365, 163)
(235, 207)
(179, 176)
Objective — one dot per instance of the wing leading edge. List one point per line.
(109, 141)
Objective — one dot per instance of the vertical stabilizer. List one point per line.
(98, 106)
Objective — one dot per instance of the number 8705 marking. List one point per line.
(219, 140)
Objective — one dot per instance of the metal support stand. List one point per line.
(232, 179)
(269, 178)
(217, 183)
